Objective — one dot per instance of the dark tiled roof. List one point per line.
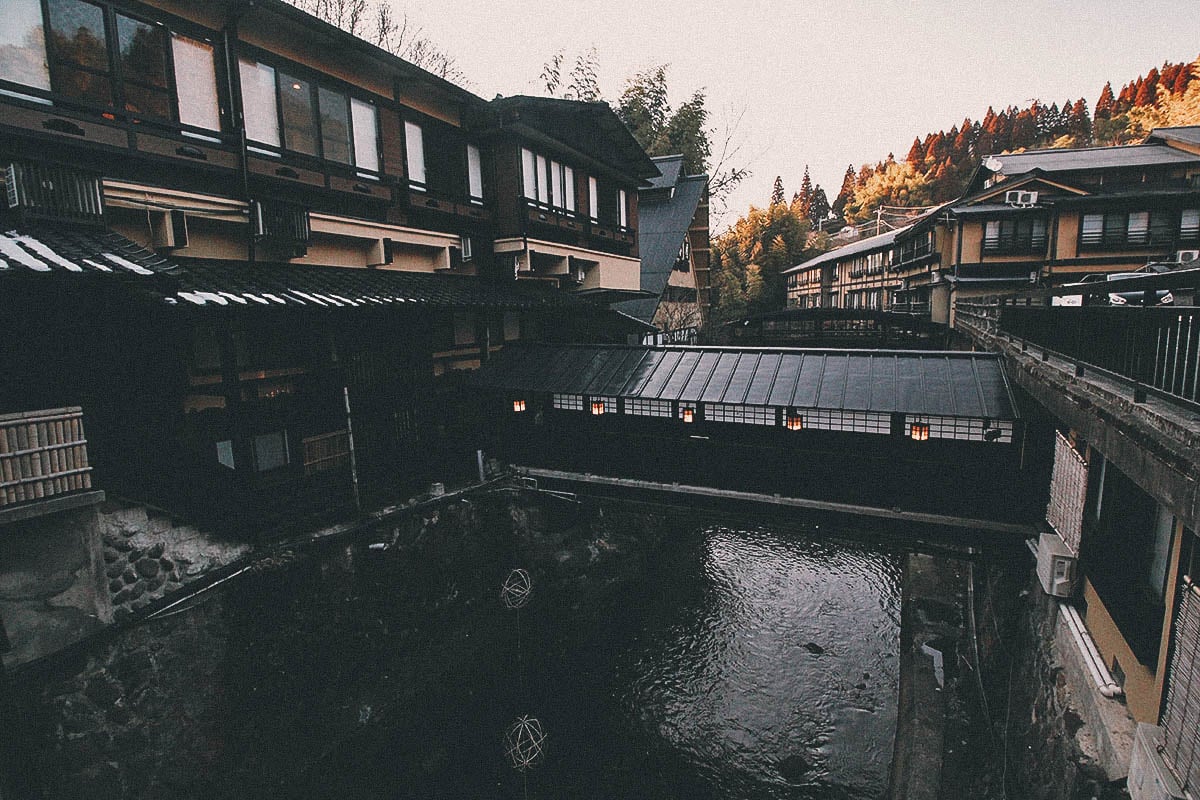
(881, 242)
(43, 249)
(1186, 133)
(919, 383)
(662, 227)
(592, 128)
(1068, 159)
(70, 252)
(220, 283)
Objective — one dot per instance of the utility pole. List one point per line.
(879, 220)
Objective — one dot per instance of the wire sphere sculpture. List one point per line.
(516, 588)
(523, 743)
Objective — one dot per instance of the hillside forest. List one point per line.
(748, 258)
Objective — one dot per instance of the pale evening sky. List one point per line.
(822, 83)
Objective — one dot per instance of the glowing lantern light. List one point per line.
(919, 431)
(795, 422)
(598, 407)
(689, 415)
(518, 406)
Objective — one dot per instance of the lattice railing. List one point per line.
(42, 454)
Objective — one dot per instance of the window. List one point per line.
(299, 116)
(271, 451)
(79, 63)
(567, 402)
(1022, 235)
(196, 83)
(365, 121)
(528, 174)
(414, 148)
(1134, 229)
(466, 247)
(1189, 225)
(622, 208)
(23, 45)
(290, 112)
(548, 183)
(747, 415)
(474, 174)
(593, 198)
(258, 102)
(335, 125)
(648, 408)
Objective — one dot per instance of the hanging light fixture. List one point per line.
(597, 407)
(795, 422)
(518, 406)
(919, 431)
(688, 414)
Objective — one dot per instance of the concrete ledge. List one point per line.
(1107, 733)
(50, 505)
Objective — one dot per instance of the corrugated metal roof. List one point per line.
(915, 383)
(1067, 159)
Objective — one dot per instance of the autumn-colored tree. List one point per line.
(916, 153)
(849, 182)
(899, 184)
(749, 258)
(1106, 103)
(1170, 109)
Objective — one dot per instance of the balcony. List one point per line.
(43, 454)
(1149, 350)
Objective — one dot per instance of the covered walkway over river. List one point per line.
(921, 431)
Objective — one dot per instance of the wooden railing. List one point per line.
(42, 454)
(326, 451)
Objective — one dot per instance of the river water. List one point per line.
(740, 662)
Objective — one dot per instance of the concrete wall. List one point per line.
(52, 584)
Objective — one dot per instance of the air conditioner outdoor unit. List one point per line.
(1016, 197)
(1149, 778)
(1056, 566)
(1186, 256)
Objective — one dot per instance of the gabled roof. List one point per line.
(917, 383)
(576, 124)
(671, 167)
(1188, 134)
(662, 227)
(1015, 182)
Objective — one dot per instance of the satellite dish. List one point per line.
(994, 164)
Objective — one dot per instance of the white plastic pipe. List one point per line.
(1091, 656)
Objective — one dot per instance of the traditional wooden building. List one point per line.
(245, 241)
(1035, 218)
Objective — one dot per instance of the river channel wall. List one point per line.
(1055, 741)
(247, 687)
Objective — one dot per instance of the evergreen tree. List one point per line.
(845, 193)
(818, 208)
(1107, 103)
(1182, 78)
(916, 153)
(777, 195)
